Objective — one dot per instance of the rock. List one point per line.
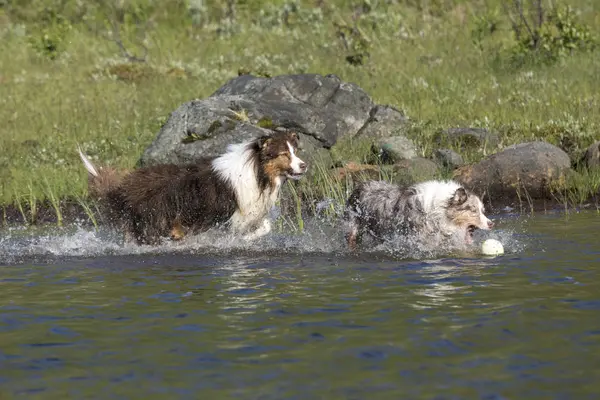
(448, 158)
(468, 138)
(322, 109)
(393, 149)
(404, 172)
(383, 121)
(591, 158)
(356, 172)
(523, 170)
(313, 153)
(418, 169)
(321, 106)
(198, 128)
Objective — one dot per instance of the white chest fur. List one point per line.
(253, 210)
(238, 169)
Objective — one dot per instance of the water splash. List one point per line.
(322, 236)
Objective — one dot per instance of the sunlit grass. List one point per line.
(424, 63)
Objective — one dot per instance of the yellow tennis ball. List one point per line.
(492, 247)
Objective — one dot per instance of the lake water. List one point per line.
(82, 316)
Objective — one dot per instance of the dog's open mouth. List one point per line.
(294, 175)
(469, 234)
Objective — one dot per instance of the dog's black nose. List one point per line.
(303, 166)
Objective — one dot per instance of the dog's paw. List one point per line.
(177, 233)
(261, 231)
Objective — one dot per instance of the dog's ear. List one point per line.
(295, 141)
(460, 196)
(264, 141)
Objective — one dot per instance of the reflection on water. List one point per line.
(82, 319)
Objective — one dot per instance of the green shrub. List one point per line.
(49, 41)
(545, 36)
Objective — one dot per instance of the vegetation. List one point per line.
(106, 74)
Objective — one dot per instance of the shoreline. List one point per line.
(73, 212)
(452, 67)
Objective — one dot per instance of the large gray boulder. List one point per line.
(520, 172)
(322, 109)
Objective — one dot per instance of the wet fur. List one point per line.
(431, 211)
(235, 190)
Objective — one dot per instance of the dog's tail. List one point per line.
(100, 180)
(87, 163)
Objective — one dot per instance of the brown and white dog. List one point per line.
(431, 211)
(235, 190)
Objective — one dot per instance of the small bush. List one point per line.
(49, 32)
(485, 26)
(545, 36)
(48, 43)
(355, 43)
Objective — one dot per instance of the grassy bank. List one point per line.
(71, 73)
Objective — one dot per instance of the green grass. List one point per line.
(422, 59)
